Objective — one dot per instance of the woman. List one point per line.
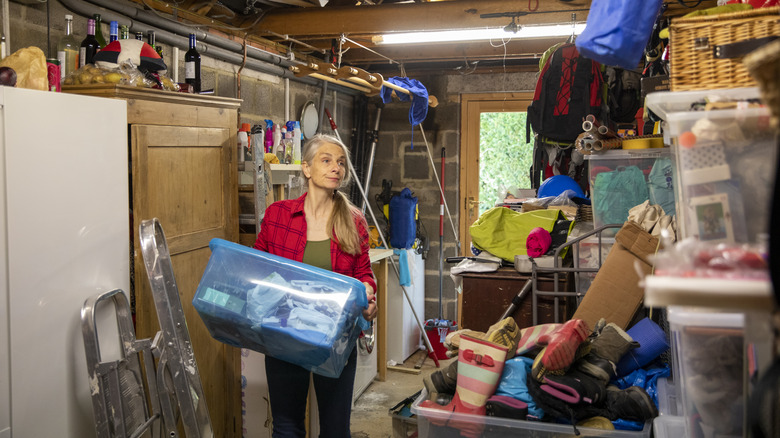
(321, 228)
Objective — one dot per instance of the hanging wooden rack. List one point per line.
(352, 77)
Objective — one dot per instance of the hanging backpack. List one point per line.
(623, 94)
(569, 88)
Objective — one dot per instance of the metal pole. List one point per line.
(441, 238)
(384, 242)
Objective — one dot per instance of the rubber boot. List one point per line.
(606, 349)
(506, 333)
(480, 364)
(441, 384)
(563, 346)
(632, 403)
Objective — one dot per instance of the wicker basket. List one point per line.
(693, 65)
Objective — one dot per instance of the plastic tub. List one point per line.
(288, 310)
(709, 352)
(428, 420)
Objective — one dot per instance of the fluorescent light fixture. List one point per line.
(498, 33)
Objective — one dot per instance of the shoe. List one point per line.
(480, 364)
(632, 403)
(529, 337)
(442, 382)
(606, 349)
(562, 345)
(506, 333)
(573, 396)
(506, 407)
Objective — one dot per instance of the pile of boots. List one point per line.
(570, 376)
(583, 390)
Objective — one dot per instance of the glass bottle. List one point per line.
(113, 32)
(150, 38)
(99, 31)
(124, 32)
(192, 66)
(89, 46)
(139, 36)
(68, 49)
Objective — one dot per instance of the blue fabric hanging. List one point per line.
(419, 97)
(617, 31)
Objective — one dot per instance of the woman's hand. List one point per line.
(370, 313)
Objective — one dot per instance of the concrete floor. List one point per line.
(370, 417)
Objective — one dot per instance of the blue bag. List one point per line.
(617, 31)
(403, 214)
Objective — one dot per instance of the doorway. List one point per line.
(480, 112)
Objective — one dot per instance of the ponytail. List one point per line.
(342, 224)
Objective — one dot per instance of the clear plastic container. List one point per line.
(622, 179)
(708, 362)
(292, 311)
(432, 423)
(725, 162)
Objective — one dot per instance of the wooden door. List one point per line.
(472, 106)
(181, 176)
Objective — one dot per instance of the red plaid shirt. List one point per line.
(283, 233)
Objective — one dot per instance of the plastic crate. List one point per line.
(622, 179)
(404, 427)
(276, 306)
(496, 427)
(725, 163)
(669, 426)
(709, 351)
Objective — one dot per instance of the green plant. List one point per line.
(504, 156)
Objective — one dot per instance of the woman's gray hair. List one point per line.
(315, 143)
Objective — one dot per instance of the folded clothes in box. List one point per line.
(289, 310)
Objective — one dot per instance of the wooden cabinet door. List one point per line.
(182, 176)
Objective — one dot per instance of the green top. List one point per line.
(317, 253)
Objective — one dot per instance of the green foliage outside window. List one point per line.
(504, 156)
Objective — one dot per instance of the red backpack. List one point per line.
(569, 88)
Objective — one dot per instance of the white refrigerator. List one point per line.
(64, 236)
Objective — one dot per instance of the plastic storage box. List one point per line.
(669, 426)
(288, 310)
(725, 162)
(622, 179)
(708, 362)
(429, 420)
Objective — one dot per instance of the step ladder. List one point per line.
(130, 401)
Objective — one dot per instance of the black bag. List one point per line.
(569, 88)
(624, 94)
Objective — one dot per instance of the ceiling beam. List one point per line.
(459, 14)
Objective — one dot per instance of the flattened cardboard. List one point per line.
(615, 293)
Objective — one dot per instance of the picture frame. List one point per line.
(711, 219)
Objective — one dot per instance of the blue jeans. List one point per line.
(288, 387)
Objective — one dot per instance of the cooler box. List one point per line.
(725, 160)
(288, 310)
(429, 420)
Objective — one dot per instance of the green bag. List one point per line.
(503, 232)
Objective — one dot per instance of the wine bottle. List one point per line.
(124, 32)
(192, 66)
(139, 36)
(113, 32)
(68, 49)
(150, 38)
(99, 31)
(89, 46)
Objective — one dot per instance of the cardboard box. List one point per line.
(615, 293)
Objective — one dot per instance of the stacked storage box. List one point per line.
(709, 361)
(725, 160)
(291, 311)
(622, 179)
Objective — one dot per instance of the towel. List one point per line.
(538, 242)
(404, 278)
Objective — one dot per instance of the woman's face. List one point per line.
(328, 168)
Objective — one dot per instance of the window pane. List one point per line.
(504, 156)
